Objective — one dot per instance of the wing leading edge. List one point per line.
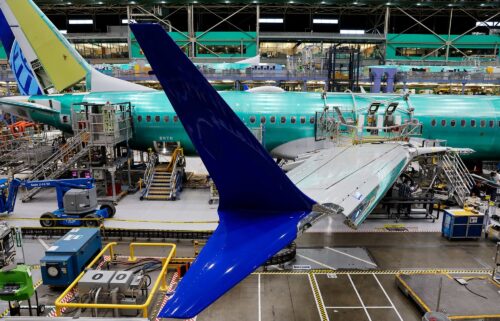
(260, 209)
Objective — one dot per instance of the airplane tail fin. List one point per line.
(26, 81)
(55, 63)
(260, 209)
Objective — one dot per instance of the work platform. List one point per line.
(476, 300)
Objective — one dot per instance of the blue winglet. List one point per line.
(259, 208)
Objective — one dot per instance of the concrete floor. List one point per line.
(191, 212)
(300, 295)
(361, 285)
(348, 295)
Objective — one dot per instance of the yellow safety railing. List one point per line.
(143, 307)
(178, 152)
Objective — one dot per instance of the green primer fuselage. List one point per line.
(154, 118)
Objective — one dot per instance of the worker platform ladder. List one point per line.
(164, 182)
(459, 179)
(60, 161)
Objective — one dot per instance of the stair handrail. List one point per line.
(149, 172)
(70, 146)
(461, 165)
(451, 168)
(56, 173)
(177, 156)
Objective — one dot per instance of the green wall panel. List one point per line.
(431, 41)
(213, 38)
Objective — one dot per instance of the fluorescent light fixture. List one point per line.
(326, 21)
(488, 24)
(270, 20)
(351, 32)
(126, 21)
(63, 32)
(81, 21)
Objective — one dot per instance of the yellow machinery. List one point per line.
(98, 285)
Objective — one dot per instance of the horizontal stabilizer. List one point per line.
(259, 207)
(25, 109)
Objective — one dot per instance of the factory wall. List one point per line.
(416, 46)
(225, 44)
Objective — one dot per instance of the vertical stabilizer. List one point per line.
(52, 59)
(260, 209)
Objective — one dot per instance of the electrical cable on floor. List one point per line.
(479, 295)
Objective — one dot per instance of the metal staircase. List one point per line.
(19, 153)
(164, 182)
(459, 179)
(59, 162)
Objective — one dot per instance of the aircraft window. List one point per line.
(499, 123)
(166, 119)
(311, 120)
(463, 122)
(252, 119)
(453, 122)
(176, 118)
(472, 123)
(148, 118)
(262, 119)
(293, 119)
(283, 119)
(139, 118)
(492, 123)
(272, 119)
(483, 123)
(302, 120)
(157, 119)
(443, 122)
(65, 119)
(433, 123)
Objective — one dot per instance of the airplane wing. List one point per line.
(356, 177)
(25, 109)
(260, 209)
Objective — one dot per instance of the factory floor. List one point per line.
(359, 286)
(369, 294)
(362, 264)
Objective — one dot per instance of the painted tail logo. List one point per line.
(49, 56)
(26, 81)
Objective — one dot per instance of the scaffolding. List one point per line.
(109, 128)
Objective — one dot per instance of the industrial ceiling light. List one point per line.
(488, 24)
(351, 32)
(80, 21)
(270, 20)
(326, 21)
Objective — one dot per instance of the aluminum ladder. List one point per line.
(458, 176)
